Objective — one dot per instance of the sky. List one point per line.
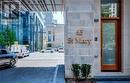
(59, 16)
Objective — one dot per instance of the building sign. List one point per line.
(79, 39)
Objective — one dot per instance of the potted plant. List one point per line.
(85, 70)
(81, 73)
(76, 71)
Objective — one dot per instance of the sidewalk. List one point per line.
(32, 75)
(112, 79)
(60, 74)
(101, 79)
(27, 75)
(47, 75)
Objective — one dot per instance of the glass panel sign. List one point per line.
(108, 35)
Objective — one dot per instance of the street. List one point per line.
(36, 68)
(39, 68)
(38, 59)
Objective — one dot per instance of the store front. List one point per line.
(97, 33)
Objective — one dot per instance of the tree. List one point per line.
(9, 37)
(2, 40)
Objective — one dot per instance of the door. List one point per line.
(110, 35)
(109, 45)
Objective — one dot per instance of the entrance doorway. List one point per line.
(110, 35)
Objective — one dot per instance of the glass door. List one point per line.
(109, 45)
(110, 35)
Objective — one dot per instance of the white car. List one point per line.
(26, 53)
(22, 54)
(48, 50)
(20, 50)
(61, 50)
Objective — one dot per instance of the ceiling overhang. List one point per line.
(38, 5)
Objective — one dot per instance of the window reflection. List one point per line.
(110, 8)
(109, 43)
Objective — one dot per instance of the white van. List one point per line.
(20, 50)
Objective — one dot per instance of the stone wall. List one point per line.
(79, 30)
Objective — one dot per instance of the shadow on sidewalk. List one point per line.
(27, 75)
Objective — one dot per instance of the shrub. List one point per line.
(85, 70)
(76, 70)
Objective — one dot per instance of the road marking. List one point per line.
(55, 75)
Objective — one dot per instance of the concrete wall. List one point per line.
(80, 15)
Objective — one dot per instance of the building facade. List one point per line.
(97, 33)
(54, 34)
(28, 29)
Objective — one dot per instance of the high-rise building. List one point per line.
(28, 29)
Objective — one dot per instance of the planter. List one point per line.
(71, 80)
(81, 72)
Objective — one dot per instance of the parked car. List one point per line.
(48, 50)
(61, 50)
(22, 53)
(26, 53)
(20, 50)
(7, 58)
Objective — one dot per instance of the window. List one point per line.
(110, 7)
(4, 52)
(110, 35)
(53, 37)
(49, 32)
(49, 38)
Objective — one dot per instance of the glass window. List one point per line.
(108, 43)
(4, 52)
(49, 32)
(49, 38)
(110, 8)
